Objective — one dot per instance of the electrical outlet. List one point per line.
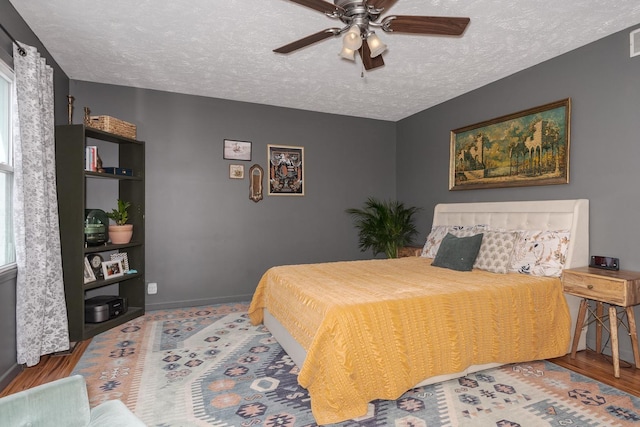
(152, 288)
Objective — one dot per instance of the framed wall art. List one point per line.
(236, 171)
(286, 170)
(527, 148)
(237, 150)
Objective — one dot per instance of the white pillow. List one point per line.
(540, 253)
(496, 251)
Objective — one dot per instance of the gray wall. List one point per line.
(207, 241)
(603, 83)
(20, 31)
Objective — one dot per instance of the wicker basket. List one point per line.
(113, 125)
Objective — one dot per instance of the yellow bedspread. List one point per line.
(374, 329)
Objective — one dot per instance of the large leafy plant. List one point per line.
(384, 226)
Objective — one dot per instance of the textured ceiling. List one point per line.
(223, 48)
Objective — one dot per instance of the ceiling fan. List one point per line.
(359, 15)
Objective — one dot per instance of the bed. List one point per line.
(372, 329)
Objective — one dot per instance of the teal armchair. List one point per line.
(63, 403)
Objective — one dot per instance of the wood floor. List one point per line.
(587, 363)
(50, 368)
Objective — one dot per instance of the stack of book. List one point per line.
(91, 158)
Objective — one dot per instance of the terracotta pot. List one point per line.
(120, 234)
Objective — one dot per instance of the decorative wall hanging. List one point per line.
(286, 170)
(236, 171)
(237, 150)
(527, 148)
(255, 183)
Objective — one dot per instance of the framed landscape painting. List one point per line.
(530, 147)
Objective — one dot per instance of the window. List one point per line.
(7, 250)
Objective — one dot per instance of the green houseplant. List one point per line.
(121, 232)
(384, 226)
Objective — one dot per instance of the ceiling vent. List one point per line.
(635, 42)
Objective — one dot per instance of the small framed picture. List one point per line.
(237, 150)
(122, 256)
(88, 272)
(236, 171)
(112, 269)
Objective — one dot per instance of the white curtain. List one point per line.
(41, 315)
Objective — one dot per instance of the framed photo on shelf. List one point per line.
(286, 170)
(237, 150)
(88, 272)
(236, 171)
(122, 256)
(112, 269)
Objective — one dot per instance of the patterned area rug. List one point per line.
(208, 366)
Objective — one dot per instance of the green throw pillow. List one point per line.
(458, 253)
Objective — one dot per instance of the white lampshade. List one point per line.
(375, 45)
(352, 39)
(347, 53)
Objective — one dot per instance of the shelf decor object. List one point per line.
(120, 232)
(113, 125)
(122, 256)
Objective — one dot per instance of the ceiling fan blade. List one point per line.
(438, 25)
(319, 5)
(382, 4)
(369, 62)
(306, 41)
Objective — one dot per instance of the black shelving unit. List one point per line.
(72, 180)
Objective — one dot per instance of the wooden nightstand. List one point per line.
(406, 251)
(616, 288)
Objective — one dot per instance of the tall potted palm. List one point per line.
(384, 226)
(121, 232)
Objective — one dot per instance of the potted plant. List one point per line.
(121, 232)
(384, 226)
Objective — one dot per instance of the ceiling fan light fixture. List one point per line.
(352, 39)
(375, 44)
(347, 53)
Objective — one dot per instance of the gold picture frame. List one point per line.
(527, 148)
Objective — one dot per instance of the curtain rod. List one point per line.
(20, 48)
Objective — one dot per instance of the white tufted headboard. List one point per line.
(572, 215)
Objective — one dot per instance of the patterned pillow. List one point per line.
(496, 251)
(540, 253)
(438, 232)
